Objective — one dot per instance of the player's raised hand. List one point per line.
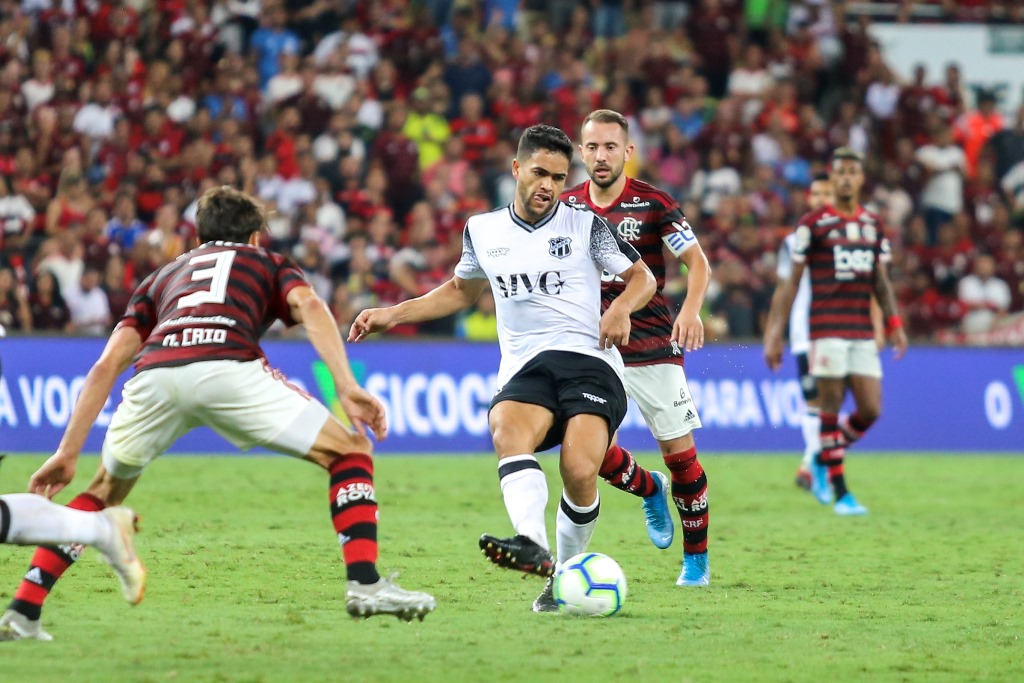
(369, 321)
(364, 410)
(688, 331)
(899, 342)
(773, 350)
(56, 473)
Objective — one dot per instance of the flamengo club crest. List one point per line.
(629, 229)
(560, 247)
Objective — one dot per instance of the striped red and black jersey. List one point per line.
(212, 303)
(649, 220)
(842, 254)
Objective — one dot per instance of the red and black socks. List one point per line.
(48, 564)
(690, 493)
(832, 452)
(624, 473)
(354, 514)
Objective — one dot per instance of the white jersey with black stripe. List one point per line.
(800, 314)
(546, 280)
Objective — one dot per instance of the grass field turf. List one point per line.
(246, 581)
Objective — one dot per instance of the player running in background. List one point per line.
(193, 328)
(30, 519)
(847, 253)
(651, 220)
(560, 377)
(819, 195)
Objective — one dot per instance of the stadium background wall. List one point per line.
(936, 399)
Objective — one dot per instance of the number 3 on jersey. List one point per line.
(217, 275)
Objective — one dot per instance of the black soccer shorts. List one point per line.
(567, 384)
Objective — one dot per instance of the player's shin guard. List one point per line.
(690, 493)
(810, 426)
(525, 491)
(852, 428)
(354, 514)
(832, 453)
(48, 564)
(574, 525)
(624, 473)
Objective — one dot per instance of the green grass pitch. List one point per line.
(246, 582)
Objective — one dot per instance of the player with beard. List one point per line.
(845, 249)
(560, 377)
(651, 220)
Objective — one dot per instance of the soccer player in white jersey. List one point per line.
(819, 195)
(560, 377)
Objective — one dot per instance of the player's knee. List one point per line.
(869, 413)
(510, 441)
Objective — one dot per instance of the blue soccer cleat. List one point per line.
(847, 506)
(820, 485)
(696, 570)
(660, 527)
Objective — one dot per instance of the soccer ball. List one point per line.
(590, 584)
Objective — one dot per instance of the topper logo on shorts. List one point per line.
(595, 399)
(355, 491)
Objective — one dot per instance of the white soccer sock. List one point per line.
(810, 424)
(34, 520)
(574, 525)
(525, 491)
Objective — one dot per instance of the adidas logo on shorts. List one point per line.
(690, 415)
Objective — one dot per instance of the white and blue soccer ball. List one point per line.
(590, 584)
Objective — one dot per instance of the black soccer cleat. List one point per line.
(545, 602)
(518, 552)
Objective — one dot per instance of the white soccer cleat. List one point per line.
(121, 555)
(385, 597)
(16, 626)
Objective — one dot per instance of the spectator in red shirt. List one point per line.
(478, 134)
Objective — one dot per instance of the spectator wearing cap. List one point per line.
(428, 129)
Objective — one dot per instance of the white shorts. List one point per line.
(661, 393)
(249, 404)
(835, 358)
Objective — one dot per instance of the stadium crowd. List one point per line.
(371, 130)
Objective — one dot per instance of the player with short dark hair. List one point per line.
(847, 253)
(819, 194)
(560, 377)
(193, 328)
(651, 221)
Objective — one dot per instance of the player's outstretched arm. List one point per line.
(361, 407)
(640, 287)
(688, 329)
(59, 470)
(453, 296)
(778, 314)
(887, 301)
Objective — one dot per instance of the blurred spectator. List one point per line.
(426, 128)
(272, 40)
(1007, 145)
(124, 227)
(88, 305)
(477, 132)
(16, 220)
(973, 129)
(481, 323)
(14, 309)
(944, 164)
(49, 312)
(115, 286)
(984, 297)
